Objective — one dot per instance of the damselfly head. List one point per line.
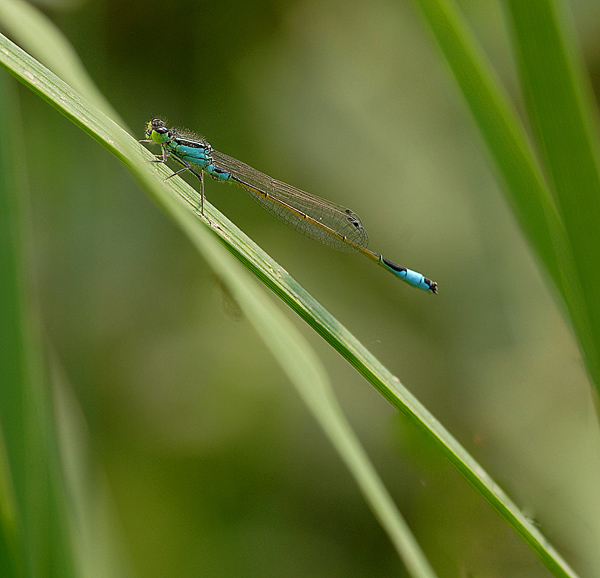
(157, 131)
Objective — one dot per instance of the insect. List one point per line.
(324, 221)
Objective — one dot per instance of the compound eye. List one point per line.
(159, 126)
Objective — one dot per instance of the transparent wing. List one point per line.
(269, 193)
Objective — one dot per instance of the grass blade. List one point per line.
(526, 188)
(565, 130)
(33, 512)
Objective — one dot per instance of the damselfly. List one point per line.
(329, 223)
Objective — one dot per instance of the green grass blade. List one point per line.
(559, 103)
(175, 194)
(14, 374)
(505, 137)
(501, 129)
(33, 513)
(526, 188)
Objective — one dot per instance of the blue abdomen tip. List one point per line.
(411, 277)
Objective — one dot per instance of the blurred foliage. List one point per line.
(351, 101)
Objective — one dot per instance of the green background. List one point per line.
(205, 461)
